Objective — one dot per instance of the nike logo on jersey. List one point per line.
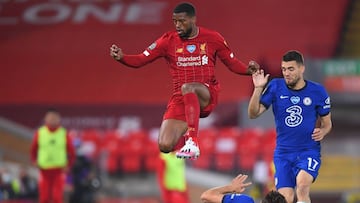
(283, 97)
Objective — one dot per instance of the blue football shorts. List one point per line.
(289, 164)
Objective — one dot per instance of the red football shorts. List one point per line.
(176, 107)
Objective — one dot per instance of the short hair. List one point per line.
(52, 110)
(185, 7)
(293, 55)
(274, 197)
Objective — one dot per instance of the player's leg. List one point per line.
(303, 183)
(57, 186)
(308, 165)
(44, 189)
(171, 131)
(196, 96)
(285, 179)
(288, 193)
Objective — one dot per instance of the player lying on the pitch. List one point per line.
(232, 193)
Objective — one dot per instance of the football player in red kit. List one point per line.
(191, 53)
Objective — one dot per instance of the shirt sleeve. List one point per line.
(34, 148)
(155, 50)
(267, 96)
(237, 198)
(228, 58)
(324, 105)
(70, 149)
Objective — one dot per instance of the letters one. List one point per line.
(148, 12)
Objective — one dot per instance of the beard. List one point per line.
(292, 84)
(186, 34)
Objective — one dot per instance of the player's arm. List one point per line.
(216, 194)
(154, 51)
(34, 148)
(70, 149)
(255, 108)
(133, 61)
(229, 59)
(324, 128)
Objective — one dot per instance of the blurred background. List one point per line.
(55, 53)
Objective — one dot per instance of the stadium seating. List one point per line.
(111, 148)
(225, 149)
(268, 142)
(151, 156)
(207, 143)
(91, 142)
(133, 152)
(207, 140)
(249, 145)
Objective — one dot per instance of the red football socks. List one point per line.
(192, 112)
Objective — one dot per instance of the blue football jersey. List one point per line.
(237, 198)
(296, 112)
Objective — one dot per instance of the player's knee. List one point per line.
(187, 88)
(165, 147)
(289, 198)
(302, 190)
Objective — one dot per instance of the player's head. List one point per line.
(292, 67)
(184, 19)
(273, 197)
(52, 118)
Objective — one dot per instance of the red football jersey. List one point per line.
(190, 60)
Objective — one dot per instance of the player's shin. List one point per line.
(192, 112)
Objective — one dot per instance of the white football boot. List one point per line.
(189, 151)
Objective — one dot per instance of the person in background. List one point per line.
(53, 153)
(232, 193)
(27, 184)
(83, 178)
(171, 179)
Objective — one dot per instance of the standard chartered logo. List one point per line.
(192, 61)
(294, 118)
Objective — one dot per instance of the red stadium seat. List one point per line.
(249, 146)
(225, 149)
(207, 140)
(151, 156)
(134, 149)
(111, 148)
(91, 142)
(224, 162)
(269, 143)
(131, 163)
(226, 142)
(250, 141)
(135, 142)
(204, 161)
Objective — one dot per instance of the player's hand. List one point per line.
(259, 79)
(252, 67)
(116, 52)
(318, 134)
(237, 184)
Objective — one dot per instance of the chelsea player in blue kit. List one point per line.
(302, 117)
(231, 193)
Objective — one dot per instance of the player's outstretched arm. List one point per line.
(255, 108)
(216, 194)
(133, 61)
